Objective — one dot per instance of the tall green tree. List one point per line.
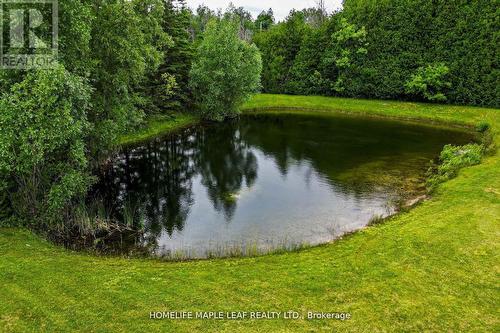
(391, 41)
(169, 84)
(126, 47)
(246, 25)
(309, 73)
(343, 56)
(56, 125)
(405, 35)
(279, 46)
(226, 70)
(200, 19)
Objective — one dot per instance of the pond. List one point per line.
(268, 181)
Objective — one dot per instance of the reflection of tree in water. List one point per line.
(152, 185)
(167, 196)
(356, 156)
(225, 161)
(334, 148)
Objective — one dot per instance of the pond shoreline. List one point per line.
(409, 201)
(362, 114)
(172, 125)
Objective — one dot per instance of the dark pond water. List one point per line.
(268, 181)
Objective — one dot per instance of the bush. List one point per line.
(483, 127)
(225, 72)
(429, 82)
(452, 159)
(43, 125)
(5, 209)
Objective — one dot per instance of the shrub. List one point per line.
(43, 126)
(452, 159)
(429, 82)
(483, 127)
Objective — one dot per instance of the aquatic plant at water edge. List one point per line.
(452, 159)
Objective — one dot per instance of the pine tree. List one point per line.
(170, 88)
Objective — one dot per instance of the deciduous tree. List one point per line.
(226, 70)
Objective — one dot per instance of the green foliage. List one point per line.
(300, 59)
(348, 44)
(408, 34)
(429, 82)
(279, 47)
(264, 20)
(483, 127)
(452, 159)
(225, 71)
(126, 40)
(57, 125)
(169, 84)
(242, 18)
(308, 75)
(74, 38)
(199, 21)
(43, 122)
(373, 48)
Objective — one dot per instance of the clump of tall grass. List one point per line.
(376, 219)
(232, 250)
(486, 138)
(92, 227)
(483, 127)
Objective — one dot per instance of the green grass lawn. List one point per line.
(435, 268)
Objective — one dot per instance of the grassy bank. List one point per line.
(157, 126)
(455, 115)
(434, 268)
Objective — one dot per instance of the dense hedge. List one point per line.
(403, 38)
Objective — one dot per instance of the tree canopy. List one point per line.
(225, 71)
(375, 48)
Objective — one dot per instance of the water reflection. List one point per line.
(225, 162)
(267, 178)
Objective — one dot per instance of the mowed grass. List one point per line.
(435, 268)
(441, 113)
